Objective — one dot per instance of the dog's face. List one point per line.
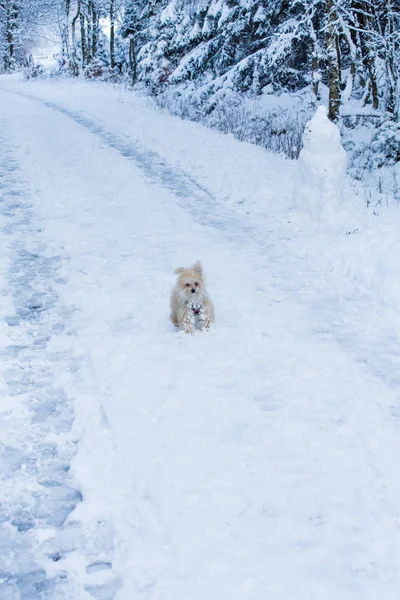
(190, 283)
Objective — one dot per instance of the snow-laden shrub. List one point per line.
(385, 145)
(65, 67)
(95, 70)
(278, 130)
(98, 70)
(33, 71)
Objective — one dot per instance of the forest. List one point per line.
(204, 59)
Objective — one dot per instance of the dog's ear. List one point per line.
(197, 268)
(179, 270)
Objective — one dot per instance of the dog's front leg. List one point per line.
(188, 323)
(187, 328)
(205, 320)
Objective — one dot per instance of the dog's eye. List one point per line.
(188, 285)
(196, 283)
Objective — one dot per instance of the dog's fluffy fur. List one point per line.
(191, 307)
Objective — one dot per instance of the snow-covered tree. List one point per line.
(133, 28)
(20, 23)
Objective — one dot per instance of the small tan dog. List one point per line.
(191, 308)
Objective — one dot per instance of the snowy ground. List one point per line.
(255, 461)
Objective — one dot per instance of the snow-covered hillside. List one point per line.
(254, 461)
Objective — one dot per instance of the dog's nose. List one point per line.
(193, 290)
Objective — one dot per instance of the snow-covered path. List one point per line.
(256, 461)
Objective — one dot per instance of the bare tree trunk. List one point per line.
(89, 31)
(112, 34)
(8, 40)
(132, 58)
(315, 73)
(333, 62)
(392, 103)
(339, 59)
(75, 68)
(83, 39)
(65, 30)
(95, 43)
(353, 71)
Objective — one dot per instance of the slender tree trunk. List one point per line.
(8, 39)
(353, 71)
(65, 30)
(333, 62)
(392, 102)
(75, 68)
(374, 84)
(112, 34)
(367, 47)
(362, 71)
(315, 73)
(339, 59)
(83, 39)
(132, 58)
(350, 39)
(89, 31)
(391, 84)
(95, 30)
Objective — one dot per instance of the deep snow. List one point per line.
(254, 461)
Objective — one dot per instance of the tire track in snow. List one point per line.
(201, 203)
